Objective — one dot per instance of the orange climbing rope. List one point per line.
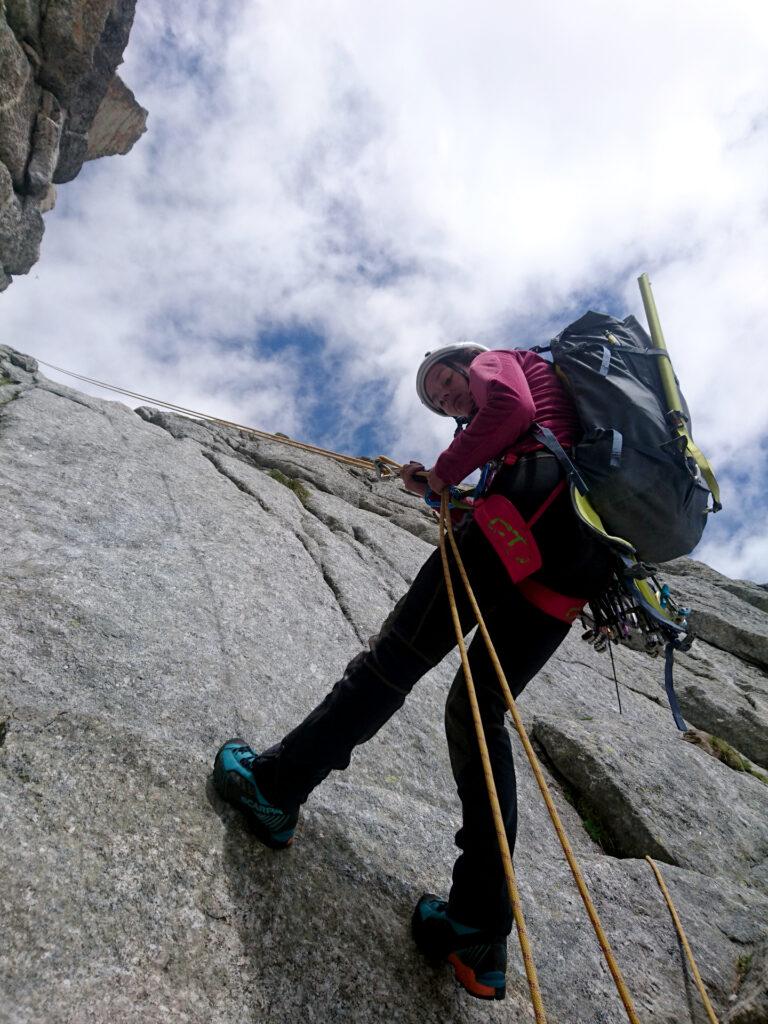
(445, 520)
(506, 856)
(382, 461)
(683, 939)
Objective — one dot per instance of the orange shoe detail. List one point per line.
(466, 977)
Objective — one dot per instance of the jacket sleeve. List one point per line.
(505, 411)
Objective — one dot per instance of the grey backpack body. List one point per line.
(640, 478)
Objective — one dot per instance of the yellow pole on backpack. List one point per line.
(672, 392)
(668, 379)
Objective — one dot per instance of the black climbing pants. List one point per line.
(415, 637)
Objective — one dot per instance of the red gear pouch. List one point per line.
(509, 534)
(513, 542)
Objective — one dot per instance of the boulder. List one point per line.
(118, 124)
(737, 623)
(83, 41)
(652, 793)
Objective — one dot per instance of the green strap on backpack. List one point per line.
(672, 392)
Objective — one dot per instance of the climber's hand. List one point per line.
(408, 474)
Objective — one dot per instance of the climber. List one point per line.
(496, 397)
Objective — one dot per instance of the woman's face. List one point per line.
(449, 391)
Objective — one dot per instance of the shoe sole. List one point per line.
(228, 786)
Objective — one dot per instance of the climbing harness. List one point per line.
(635, 610)
(511, 538)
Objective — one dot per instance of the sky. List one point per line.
(327, 191)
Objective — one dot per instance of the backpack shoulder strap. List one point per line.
(545, 436)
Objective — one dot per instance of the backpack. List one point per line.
(637, 478)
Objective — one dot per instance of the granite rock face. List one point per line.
(752, 1003)
(737, 624)
(21, 230)
(167, 584)
(18, 111)
(58, 84)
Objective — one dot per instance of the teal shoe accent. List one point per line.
(432, 907)
(233, 777)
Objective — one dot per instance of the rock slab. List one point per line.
(167, 584)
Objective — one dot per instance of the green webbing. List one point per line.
(671, 392)
(706, 471)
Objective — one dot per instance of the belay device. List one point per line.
(636, 477)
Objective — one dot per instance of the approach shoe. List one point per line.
(478, 959)
(234, 781)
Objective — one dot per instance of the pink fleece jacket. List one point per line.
(512, 389)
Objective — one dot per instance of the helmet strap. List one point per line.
(461, 421)
(456, 367)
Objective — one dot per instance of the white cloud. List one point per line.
(741, 554)
(397, 175)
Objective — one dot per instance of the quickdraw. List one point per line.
(640, 613)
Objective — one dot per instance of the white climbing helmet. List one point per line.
(450, 354)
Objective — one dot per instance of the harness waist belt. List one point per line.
(559, 606)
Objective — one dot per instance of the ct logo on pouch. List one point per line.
(508, 533)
